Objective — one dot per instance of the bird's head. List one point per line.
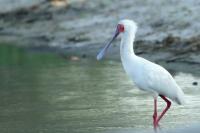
(127, 26)
(123, 27)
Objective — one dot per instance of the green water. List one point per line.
(44, 93)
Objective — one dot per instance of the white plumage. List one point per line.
(147, 75)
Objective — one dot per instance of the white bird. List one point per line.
(147, 75)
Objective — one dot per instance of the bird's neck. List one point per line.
(126, 47)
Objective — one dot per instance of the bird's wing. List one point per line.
(160, 80)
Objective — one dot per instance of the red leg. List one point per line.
(165, 110)
(155, 115)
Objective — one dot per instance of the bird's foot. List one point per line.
(157, 127)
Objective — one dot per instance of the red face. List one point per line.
(120, 27)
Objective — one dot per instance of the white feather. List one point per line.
(147, 75)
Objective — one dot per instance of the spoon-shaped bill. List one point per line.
(104, 50)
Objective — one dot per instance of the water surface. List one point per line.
(47, 94)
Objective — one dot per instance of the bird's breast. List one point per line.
(131, 67)
(134, 69)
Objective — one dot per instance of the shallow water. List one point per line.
(46, 94)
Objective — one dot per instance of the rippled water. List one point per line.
(46, 94)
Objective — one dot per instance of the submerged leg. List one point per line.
(165, 110)
(155, 114)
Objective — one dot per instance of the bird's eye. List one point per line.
(121, 28)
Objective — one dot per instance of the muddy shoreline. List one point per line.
(82, 27)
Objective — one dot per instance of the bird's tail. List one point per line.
(180, 98)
